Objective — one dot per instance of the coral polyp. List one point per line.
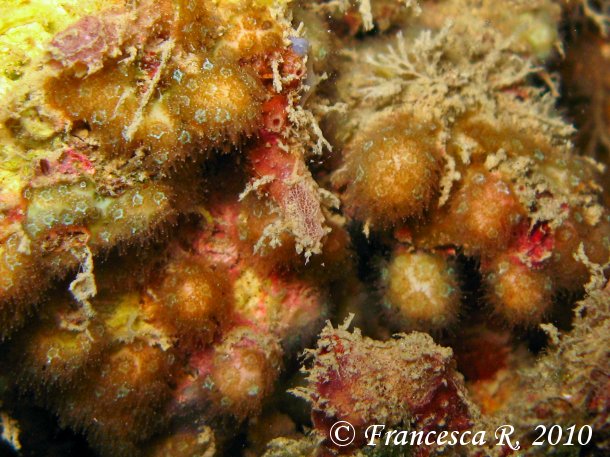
(228, 227)
(190, 298)
(523, 295)
(392, 169)
(421, 291)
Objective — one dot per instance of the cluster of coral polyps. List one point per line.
(102, 137)
(189, 189)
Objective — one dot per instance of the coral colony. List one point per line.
(227, 226)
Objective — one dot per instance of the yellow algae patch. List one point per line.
(27, 26)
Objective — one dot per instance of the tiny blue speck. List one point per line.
(300, 45)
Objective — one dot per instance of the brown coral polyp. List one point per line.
(421, 291)
(392, 169)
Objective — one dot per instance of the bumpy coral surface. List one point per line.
(228, 225)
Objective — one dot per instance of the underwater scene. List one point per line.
(315, 228)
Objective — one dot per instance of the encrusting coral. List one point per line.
(194, 192)
(97, 136)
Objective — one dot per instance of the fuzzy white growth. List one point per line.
(367, 15)
(492, 161)
(206, 437)
(328, 199)
(402, 63)
(425, 61)
(528, 183)
(307, 445)
(137, 328)
(166, 49)
(466, 146)
(255, 185)
(302, 122)
(459, 69)
(277, 77)
(10, 431)
(449, 177)
(83, 287)
(271, 236)
(597, 279)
